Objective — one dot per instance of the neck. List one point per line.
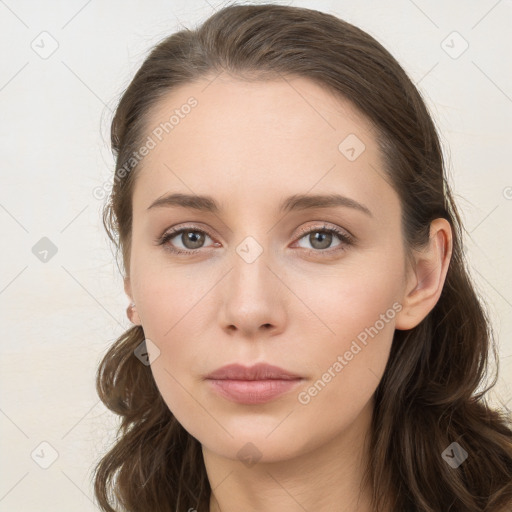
(326, 478)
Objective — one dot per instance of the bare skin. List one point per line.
(300, 304)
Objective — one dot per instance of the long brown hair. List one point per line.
(427, 398)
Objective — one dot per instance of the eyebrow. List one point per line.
(295, 202)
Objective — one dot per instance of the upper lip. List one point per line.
(260, 371)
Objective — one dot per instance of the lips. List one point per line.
(260, 371)
(252, 385)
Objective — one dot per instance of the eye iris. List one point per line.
(194, 237)
(324, 237)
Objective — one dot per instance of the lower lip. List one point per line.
(253, 391)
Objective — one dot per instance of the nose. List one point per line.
(253, 298)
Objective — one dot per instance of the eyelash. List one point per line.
(346, 239)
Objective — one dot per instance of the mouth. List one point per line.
(256, 384)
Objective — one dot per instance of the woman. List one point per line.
(306, 336)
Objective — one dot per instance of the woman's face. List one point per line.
(260, 278)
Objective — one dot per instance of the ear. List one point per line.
(426, 280)
(131, 311)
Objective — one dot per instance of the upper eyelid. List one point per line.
(327, 226)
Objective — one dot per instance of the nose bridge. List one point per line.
(251, 293)
(251, 259)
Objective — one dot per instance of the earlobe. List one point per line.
(133, 316)
(429, 274)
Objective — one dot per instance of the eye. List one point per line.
(192, 240)
(321, 238)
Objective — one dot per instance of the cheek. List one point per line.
(168, 296)
(348, 369)
(171, 303)
(344, 300)
(355, 314)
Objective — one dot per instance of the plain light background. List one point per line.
(59, 316)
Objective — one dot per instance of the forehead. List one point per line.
(260, 141)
